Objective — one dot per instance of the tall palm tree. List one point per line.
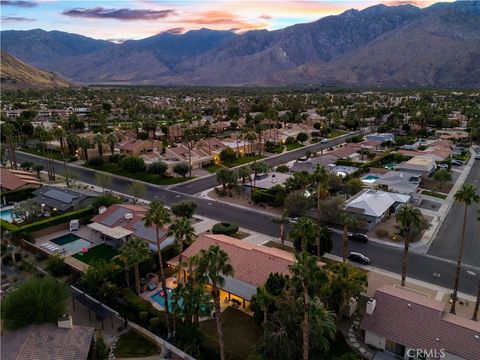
(264, 299)
(213, 264)
(251, 136)
(466, 195)
(124, 259)
(84, 144)
(99, 139)
(184, 233)
(348, 222)
(409, 219)
(305, 231)
(308, 277)
(158, 215)
(282, 221)
(134, 251)
(320, 179)
(111, 139)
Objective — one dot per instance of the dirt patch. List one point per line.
(432, 185)
(243, 200)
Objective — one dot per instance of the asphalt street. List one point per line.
(208, 182)
(447, 241)
(421, 267)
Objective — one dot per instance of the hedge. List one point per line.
(260, 196)
(45, 223)
(225, 228)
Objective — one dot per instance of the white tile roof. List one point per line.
(373, 202)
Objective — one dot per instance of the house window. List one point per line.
(393, 347)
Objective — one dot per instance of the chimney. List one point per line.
(371, 306)
(102, 209)
(65, 322)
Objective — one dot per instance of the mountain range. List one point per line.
(18, 75)
(380, 46)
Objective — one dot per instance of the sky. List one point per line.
(136, 19)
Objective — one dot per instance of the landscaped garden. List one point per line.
(242, 160)
(132, 344)
(97, 253)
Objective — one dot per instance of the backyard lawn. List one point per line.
(99, 252)
(241, 333)
(336, 133)
(293, 146)
(243, 160)
(142, 176)
(131, 344)
(212, 168)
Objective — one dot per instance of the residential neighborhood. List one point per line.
(228, 226)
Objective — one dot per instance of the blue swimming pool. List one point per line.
(159, 298)
(6, 215)
(370, 178)
(72, 243)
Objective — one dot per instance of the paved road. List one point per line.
(421, 267)
(208, 182)
(448, 238)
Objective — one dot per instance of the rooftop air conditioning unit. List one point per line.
(128, 216)
(102, 209)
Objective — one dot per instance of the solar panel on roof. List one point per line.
(145, 232)
(115, 216)
(60, 195)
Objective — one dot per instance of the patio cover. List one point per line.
(116, 232)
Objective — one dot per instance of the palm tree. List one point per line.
(282, 221)
(111, 139)
(264, 299)
(134, 251)
(213, 264)
(409, 219)
(84, 144)
(251, 136)
(99, 139)
(467, 194)
(320, 178)
(308, 277)
(305, 231)
(184, 233)
(123, 258)
(158, 215)
(348, 222)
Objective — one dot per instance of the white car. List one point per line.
(443, 166)
(477, 157)
(324, 140)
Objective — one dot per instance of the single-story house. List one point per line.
(399, 182)
(267, 181)
(135, 147)
(381, 137)
(423, 165)
(11, 180)
(311, 164)
(181, 153)
(369, 206)
(252, 265)
(341, 170)
(120, 221)
(345, 153)
(400, 321)
(61, 199)
(47, 342)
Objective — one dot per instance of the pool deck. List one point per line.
(83, 232)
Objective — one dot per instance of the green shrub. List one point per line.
(225, 228)
(170, 251)
(60, 219)
(132, 164)
(143, 316)
(106, 200)
(5, 225)
(96, 161)
(17, 195)
(56, 266)
(155, 324)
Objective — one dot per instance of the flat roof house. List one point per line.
(423, 165)
(369, 206)
(311, 164)
(252, 265)
(268, 181)
(399, 182)
(381, 137)
(61, 199)
(400, 321)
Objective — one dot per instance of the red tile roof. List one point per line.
(419, 322)
(344, 152)
(16, 179)
(251, 263)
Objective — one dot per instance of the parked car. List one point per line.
(443, 166)
(324, 140)
(477, 157)
(359, 258)
(358, 237)
(457, 162)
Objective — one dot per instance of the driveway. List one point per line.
(448, 237)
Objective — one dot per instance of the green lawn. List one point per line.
(279, 149)
(56, 155)
(99, 252)
(142, 176)
(335, 134)
(241, 333)
(463, 157)
(293, 146)
(212, 168)
(132, 344)
(243, 160)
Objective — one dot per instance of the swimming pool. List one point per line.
(370, 179)
(72, 243)
(159, 298)
(6, 215)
